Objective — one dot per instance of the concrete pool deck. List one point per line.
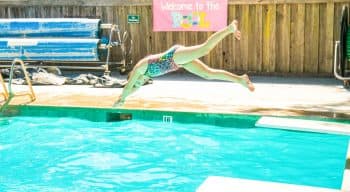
(277, 96)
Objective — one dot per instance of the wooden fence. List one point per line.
(288, 37)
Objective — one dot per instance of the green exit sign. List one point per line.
(133, 18)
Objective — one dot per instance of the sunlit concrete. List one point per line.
(278, 96)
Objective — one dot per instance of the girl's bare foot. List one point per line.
(247, 83)
(234, 28)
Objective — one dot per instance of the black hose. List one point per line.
(344, 27)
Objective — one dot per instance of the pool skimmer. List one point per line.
(167, 119)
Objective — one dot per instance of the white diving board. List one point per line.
(225, 184)
(346, 177)
(304, 125)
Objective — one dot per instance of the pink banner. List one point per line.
(189, 15)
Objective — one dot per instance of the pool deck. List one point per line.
(276, 96)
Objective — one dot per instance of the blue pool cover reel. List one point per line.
(50, 27)
(63, 49)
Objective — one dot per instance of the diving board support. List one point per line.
(304, 125)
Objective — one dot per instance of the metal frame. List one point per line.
(120, 42)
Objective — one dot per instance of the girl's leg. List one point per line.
(187, 54)
(197, 67)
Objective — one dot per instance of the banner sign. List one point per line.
(189, 15)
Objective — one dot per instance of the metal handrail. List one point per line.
(8, 92)
(5, 93)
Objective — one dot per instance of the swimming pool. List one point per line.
(71, 154)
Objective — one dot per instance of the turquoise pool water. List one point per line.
(67, 154)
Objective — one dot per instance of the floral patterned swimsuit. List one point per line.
(164, 64)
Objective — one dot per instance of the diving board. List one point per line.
(304, 125)
(226, 184)
(346, 177)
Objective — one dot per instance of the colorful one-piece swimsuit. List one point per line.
(164, 64)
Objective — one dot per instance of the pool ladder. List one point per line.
(7, 92)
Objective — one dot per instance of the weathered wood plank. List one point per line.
(312, 38)
(99, 12)
(56, 11)
(147, 26)
(88, 12)
(3, 12)
(252, 38)
(119, 18)
(228, 47)
(259, 40)
(297, 38)
(255, 38)
(242, 63)
(76, 11)
(135, 29)
(65, 11)
(283, 38)
(269, 38)
(142, 32)
(326, 38)
(15, 12)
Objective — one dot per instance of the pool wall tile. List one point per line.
(102, 114)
